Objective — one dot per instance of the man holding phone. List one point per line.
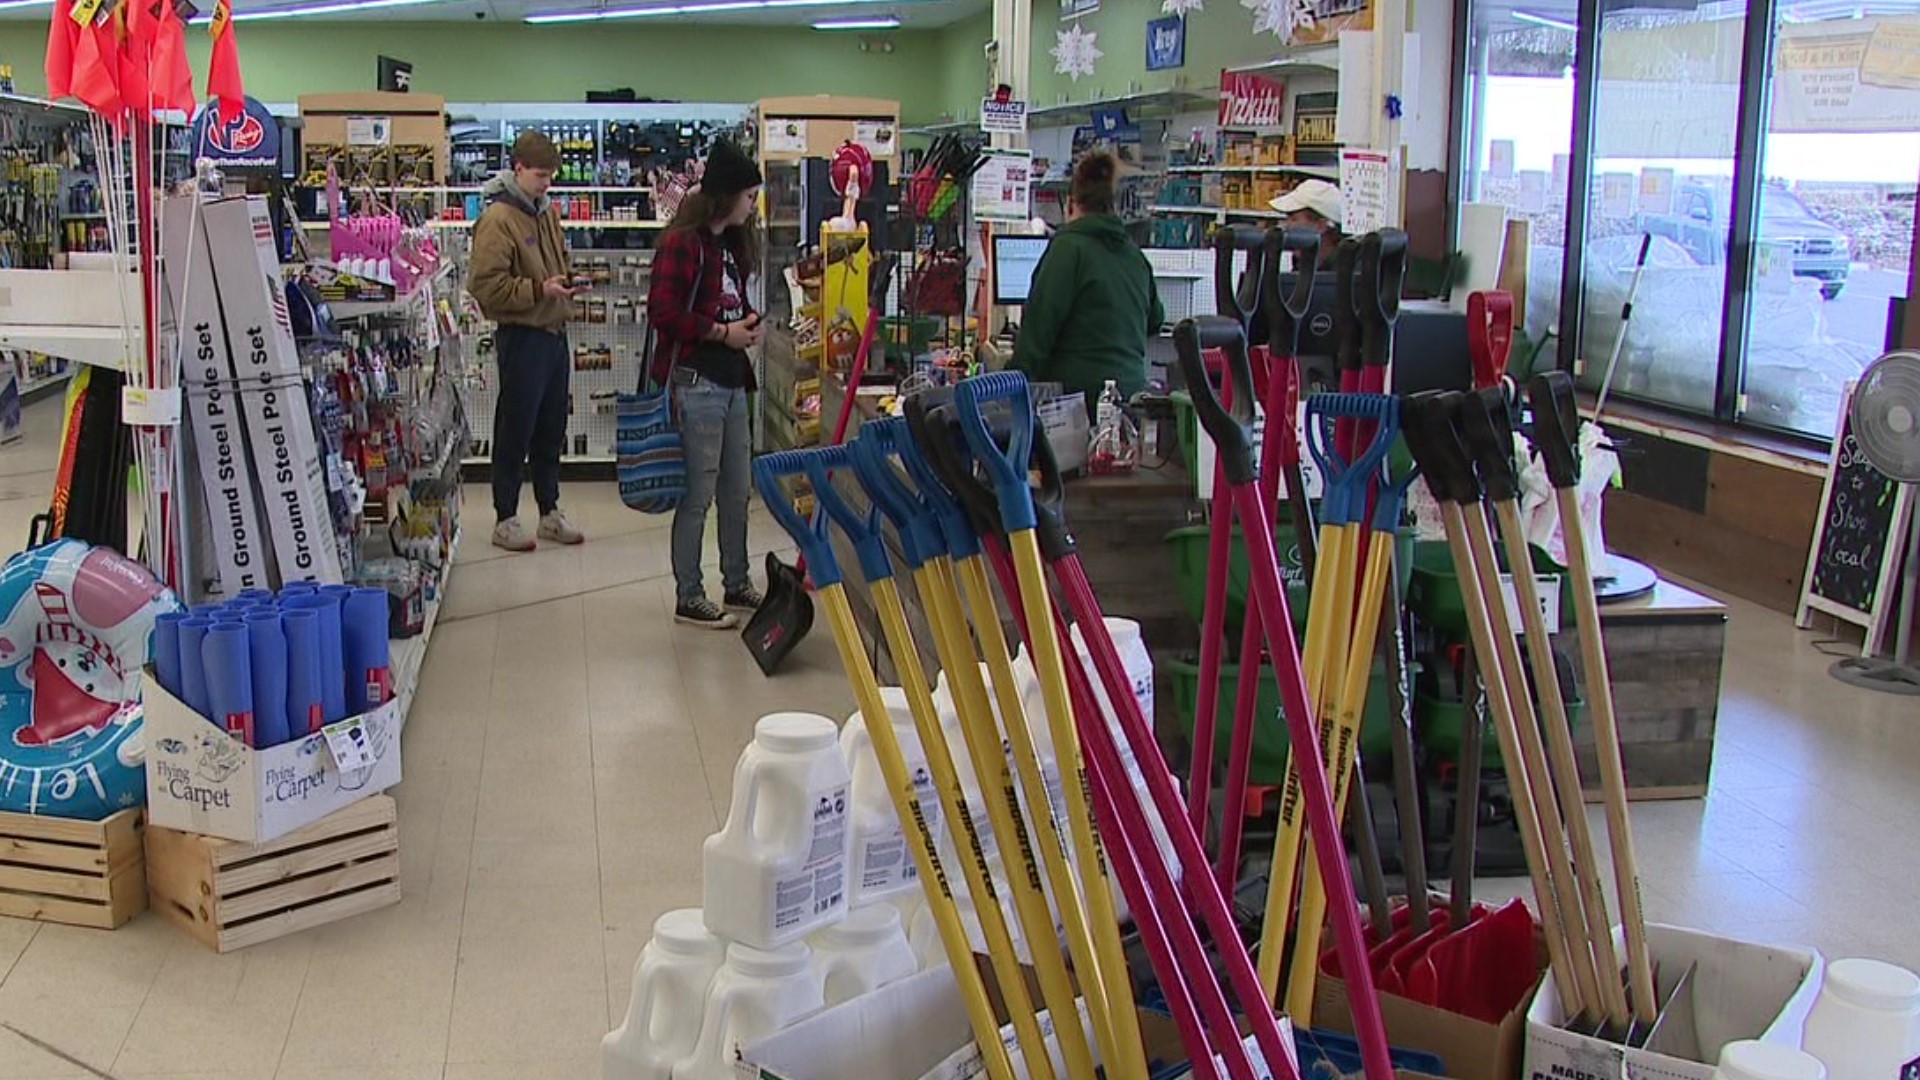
(522, 276)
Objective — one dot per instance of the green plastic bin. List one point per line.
(1434, 593)
(1190, 547)
(1270, 743)
(1438, 724)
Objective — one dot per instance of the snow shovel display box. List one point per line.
(202, 780)
(914, 1028)
(1471, 1049)
(1713, 991)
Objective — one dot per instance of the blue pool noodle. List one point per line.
(302, 629)
(333, 668)
(193, 671)
(268, 646)
(363, 630)
(229, 663)
(338, 594)
(164, 649)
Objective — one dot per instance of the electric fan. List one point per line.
(1886, 425)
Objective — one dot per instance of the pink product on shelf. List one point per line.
(406, 255)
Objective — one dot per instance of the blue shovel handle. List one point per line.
(1006, 465)
(1345, 498)
(956, 527)
(874, 452)
(869, 545)
(768, 469)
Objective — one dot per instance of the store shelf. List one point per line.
(34, 386)
(1324, 172)
(1219, 211)
(1311, 58)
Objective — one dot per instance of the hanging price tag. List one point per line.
(350, 743)
(144, 406)
(1548, 587)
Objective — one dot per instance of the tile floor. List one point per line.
(570, 748)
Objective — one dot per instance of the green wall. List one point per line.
(514, 62)
(963, 67)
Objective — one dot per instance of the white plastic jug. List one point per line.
(1749, 1059)
(754, 994)
(1863, 1024)
(863, 952)
(1127, 641)
(670, 983)
(882, 865)
(953, 840)
(924, 934)
(777, 871)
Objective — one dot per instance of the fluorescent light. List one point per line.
(884, 22)
(1542, 20)
(10, 5)
(341, 7)
(689, 7)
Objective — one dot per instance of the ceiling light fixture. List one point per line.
(341, 7)
(1549, 23)
(884, 22)
(11, 5)
(691, 7)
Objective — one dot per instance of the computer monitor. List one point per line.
(1015, 258)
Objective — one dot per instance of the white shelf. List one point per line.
(1324, 172)
(33, 386)
(1218, 211)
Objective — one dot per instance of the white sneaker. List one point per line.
(557, 528)
(512, 536)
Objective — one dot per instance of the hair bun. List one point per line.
(1098, 167)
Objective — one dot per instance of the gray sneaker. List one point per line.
(704, 614)
(512, 536)
(557, 528)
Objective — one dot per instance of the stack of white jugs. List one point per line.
(1865, 1025)
(784, 930)
(812, 897)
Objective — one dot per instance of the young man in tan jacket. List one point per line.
(521, 275)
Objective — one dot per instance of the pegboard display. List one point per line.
(607, 339)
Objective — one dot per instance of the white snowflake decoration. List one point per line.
(1074, 52)
(1281, 18)
(1181, 7)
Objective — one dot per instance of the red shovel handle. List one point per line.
(1489, 335)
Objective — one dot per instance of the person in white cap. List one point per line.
(1314, 204)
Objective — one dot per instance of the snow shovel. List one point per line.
(785, 614)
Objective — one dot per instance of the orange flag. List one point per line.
(172, 77)
(223, 68)
(134, 25)
(62, 37)
(96, 69)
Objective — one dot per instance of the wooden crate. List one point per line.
(231, 895)
(86, 873)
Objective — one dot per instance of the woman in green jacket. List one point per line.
(1093, 301)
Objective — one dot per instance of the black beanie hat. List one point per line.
(728, 171)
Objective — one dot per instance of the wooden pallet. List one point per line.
(85, 873)
(231, 895)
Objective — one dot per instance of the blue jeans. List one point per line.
(713, 429)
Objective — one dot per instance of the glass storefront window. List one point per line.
(1666, 113)
(1834, 233)
(1519, 132)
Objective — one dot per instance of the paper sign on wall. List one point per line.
(1001, 189)
(1562, 166)
(369, 130)
(1370, 186)
(1500, 159)
(876, 136)
(1616, 194)
(1656, 191)
(786, 136)
(1003, 117)
(1533, 192)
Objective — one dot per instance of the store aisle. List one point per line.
(570, 748)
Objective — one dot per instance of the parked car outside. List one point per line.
(1702, 211)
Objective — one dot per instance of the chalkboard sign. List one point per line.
(1856, 549)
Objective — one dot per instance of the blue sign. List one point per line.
(1166, 43)
(1112, 125)
(250, 141)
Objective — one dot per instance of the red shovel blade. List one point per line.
(1483, 972)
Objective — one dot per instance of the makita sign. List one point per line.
(1250, 101)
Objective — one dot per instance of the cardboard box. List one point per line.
(1470, 1049)
(915, 1028)
(234, 523)
(265, 365)
(1733, 990)
(202, 780)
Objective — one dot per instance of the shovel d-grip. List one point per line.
(1489, 334)
(1343, 497)
(1239, 299)
(1286, 310)
(869, 545)
(1006, 465)
(1556, 427)
(815, 547)
(874, 451)
(1228, 426)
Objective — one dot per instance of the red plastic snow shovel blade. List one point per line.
(1483, 972)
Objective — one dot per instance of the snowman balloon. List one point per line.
(74, 627)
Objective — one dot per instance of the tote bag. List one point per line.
(651, 464)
